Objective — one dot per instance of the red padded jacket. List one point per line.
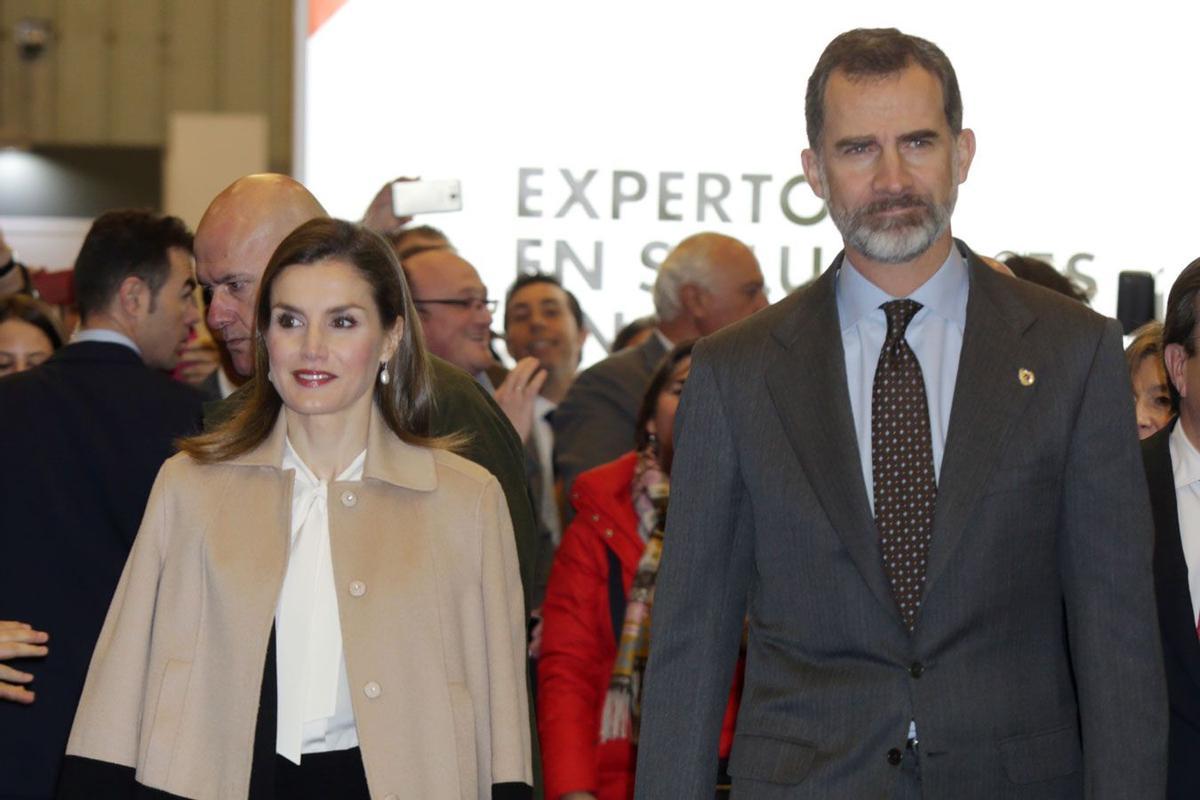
(579, 645)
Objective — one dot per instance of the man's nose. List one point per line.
(220, 311)
(891, 174)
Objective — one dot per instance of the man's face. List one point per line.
(164, 327)
(229, 266)
(735, 289)
(539, 323)
(888, 165)
(450, 299)
(1183, 370)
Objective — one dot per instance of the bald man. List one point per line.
(234, 241)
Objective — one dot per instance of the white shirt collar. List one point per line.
(1185, 460)
(306, 477)
(105, 335)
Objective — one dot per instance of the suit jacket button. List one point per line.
(391, 797)
(373, 690)
(349, 499)
(917, 669)
(357, 588)
(894, 756)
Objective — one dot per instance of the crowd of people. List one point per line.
(333, 546)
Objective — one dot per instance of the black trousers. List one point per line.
(320, 776)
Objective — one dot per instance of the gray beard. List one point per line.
(895, 240)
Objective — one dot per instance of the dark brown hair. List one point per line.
(1043, 274)
(1179, 327)
(875, 52)
(121, 244)
(36, 313)
(657, 383)
(405, 402)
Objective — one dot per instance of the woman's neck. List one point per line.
(328, 443)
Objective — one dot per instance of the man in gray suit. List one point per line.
(908, 481)
(708, 281)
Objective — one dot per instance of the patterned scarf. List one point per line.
(622, 705)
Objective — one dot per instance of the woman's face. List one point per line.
(325, 339)
(1152, 401)
(22, 346)
(662, 424)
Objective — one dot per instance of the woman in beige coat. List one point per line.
(322, 601)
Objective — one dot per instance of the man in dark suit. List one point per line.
(84, 436)
(908, 481)
(708, 281)
(1172, 459)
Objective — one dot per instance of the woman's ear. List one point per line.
(392, 340)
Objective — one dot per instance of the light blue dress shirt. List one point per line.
(935, 335)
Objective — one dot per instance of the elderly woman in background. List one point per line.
(323, 601)
(29, 333)
(1152, 399)
(596, 615)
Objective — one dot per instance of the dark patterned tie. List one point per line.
(902, 462)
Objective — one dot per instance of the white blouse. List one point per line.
(315, 714)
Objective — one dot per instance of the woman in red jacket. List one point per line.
(596, 614)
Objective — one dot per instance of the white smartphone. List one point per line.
(425, 197)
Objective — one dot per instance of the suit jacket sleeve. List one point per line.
(592, 426)
(107, 724)
(1105, 547)
(700, 598)
(463, 406)
(504, 630)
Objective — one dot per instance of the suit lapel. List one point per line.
(988, 396)
(1170, 566)
(807, 384)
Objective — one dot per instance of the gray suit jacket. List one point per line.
(594, 423)
(1034, 670)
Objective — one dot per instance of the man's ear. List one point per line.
(812, 171)
(133, 297)
(694, 300)
(1176, 358)
(965, 146)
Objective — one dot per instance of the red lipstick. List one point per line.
(312, 378)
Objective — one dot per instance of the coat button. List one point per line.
(349, 499)
(391, 797)
(595, 517)
(357, 588)
(894, 756)
(608, 532)
(917, 669)
(372, 690)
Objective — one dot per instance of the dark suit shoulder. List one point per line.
(627, 369)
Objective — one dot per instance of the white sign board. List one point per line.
(589, 138)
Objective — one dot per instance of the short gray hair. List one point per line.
(690, 262)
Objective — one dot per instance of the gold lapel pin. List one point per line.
(1026, 376)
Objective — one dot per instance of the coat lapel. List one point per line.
(988, 397)
(1170, 566)
(807, 384)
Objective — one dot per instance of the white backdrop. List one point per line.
(1086, 120)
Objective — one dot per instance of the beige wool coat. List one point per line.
(429, 600)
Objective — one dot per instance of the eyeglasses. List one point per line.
(474, 304)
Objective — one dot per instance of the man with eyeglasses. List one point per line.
(456, 314)
(456, 317)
